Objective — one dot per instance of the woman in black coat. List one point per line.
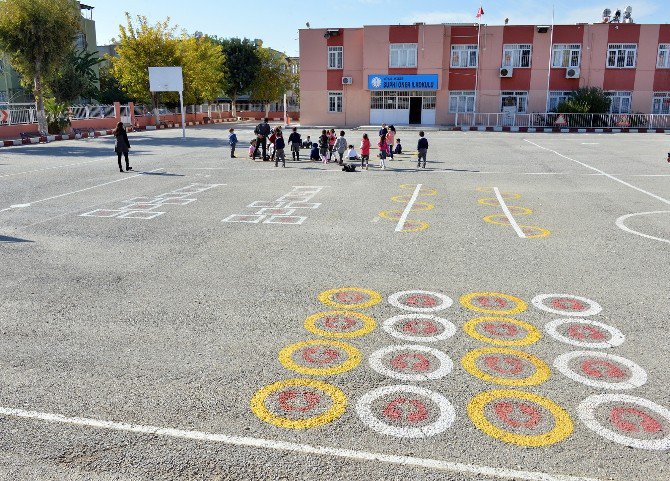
(122, 145)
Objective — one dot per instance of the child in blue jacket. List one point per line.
(232, 140)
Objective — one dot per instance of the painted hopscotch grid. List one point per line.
(283, 210)
(144, 208)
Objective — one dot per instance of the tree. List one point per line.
(586, 100)
(202, 60)
(274, 78)
(240, 67)
(76, 78)
(37, 34)
(110, 88)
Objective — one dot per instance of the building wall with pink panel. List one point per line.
(429, 74)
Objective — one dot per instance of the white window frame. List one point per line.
(514, 55)
(462, 56)
(403, 55)
(335, 102)
(519, 95)
(619, 98)
(556, 97)
(335, 58)
(619, 54)
(462, 101)
(565, 55)
(663, 57)
(660, 103)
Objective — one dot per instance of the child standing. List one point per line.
(323, 146)
(295, 143)
(341, 146)
(280, 145)
(332, 139)
(365, 152)
(390, 139)
(383, 149)
(232, 140)
(422, 148)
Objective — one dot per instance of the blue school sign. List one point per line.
(403, 82)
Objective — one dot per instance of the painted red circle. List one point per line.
(501, 329)
(339, 323)
(491, 302)
(411, 361)
(421, 326)
(502, 364)
(517, 414)
(350, 297)
(293, 400)
(320, 355)
(597, 368)
(409, 410)
(421, 300)
(568, 304)
(633, 420)
(585, 332)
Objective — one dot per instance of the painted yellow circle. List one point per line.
(336, 395)
(369, 325)
(428, 192)
(534, 232)
(533, 334)
(540, 375)
(466, 301)
(408, 186)
(353, 358)
(422, 206)
(563, 425)
(484, 189)
(518, 210)
(490, 201)
(375, 298)
(391, 214)
(497, 219)
(402, 199)
(415, 226)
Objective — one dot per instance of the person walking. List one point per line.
(280, 145)
(323, 146)
(273, 139)
(383, 130)
(341, 146)
(365, 152)
(390, 139)
(232, 140)
(295, 142)
(122, 145)
(383, 149)
(422, 148)
(262, 132)
(332, 139)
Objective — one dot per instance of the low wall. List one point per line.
(200, 117)
(8, 132)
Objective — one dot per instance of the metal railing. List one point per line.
(20, 114)
(556, 120)
(83, 112)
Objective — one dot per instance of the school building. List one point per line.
(429, 74)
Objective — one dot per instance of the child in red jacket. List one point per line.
(365, 152)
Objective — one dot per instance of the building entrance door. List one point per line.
(415, 106)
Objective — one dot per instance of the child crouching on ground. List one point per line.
(314, 153)
(352, 154)
(252, 147)
(398, 147)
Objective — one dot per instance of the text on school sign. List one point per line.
(403, 82)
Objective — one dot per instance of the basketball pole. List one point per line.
(183, 114)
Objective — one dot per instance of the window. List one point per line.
(334, 102)
(461, 102)
(402, 55)
(660, 104)
(399, 100)
(517, 55)
(516, 99)
(556, 97)
(566, 56)
(81, 42)
(621, 55)
(663, 56)
(463, 56)
(335, 60)
(620, 102)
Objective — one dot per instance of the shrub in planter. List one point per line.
(58, 117)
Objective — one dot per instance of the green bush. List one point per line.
(586, 100)
(58, 117)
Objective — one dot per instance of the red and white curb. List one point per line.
(562, 130)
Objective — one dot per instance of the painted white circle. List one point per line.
(390, 328)
(376, 82)
(441, 424)
(586, 412)
(377, 363)
(638, 375)
(394, 300)
(616, 336)
(594, 307)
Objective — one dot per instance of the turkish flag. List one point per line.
(480, 12)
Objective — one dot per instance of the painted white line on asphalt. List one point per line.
(509, 215)
(616, 179)
(435, 464)
(408, 209)
(80, 190)
(50, 168)
(620, 223)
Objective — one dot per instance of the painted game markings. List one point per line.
(350, 298)
(585, 333)
(320, 357)
(411, 363)
(601, 370)
(401, 216)
(566, 305)
(628, 420)
(493, 303)
(502, 331)
(620, 223)
(508, 367)
(519, 417)
(420, 301)
(419, 328)
(509, 211)
(340, 324)
(282, 210)
(144, 208)
(299, 403)
(405, 411)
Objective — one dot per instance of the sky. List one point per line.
(278, 22)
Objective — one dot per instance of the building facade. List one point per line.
(429, 74)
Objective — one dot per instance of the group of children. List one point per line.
(331, 148)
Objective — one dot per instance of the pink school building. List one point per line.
(427, 74)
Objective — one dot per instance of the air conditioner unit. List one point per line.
(572, 72)
(506, 72)
(347, 80)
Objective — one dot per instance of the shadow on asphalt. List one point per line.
(12, 240)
